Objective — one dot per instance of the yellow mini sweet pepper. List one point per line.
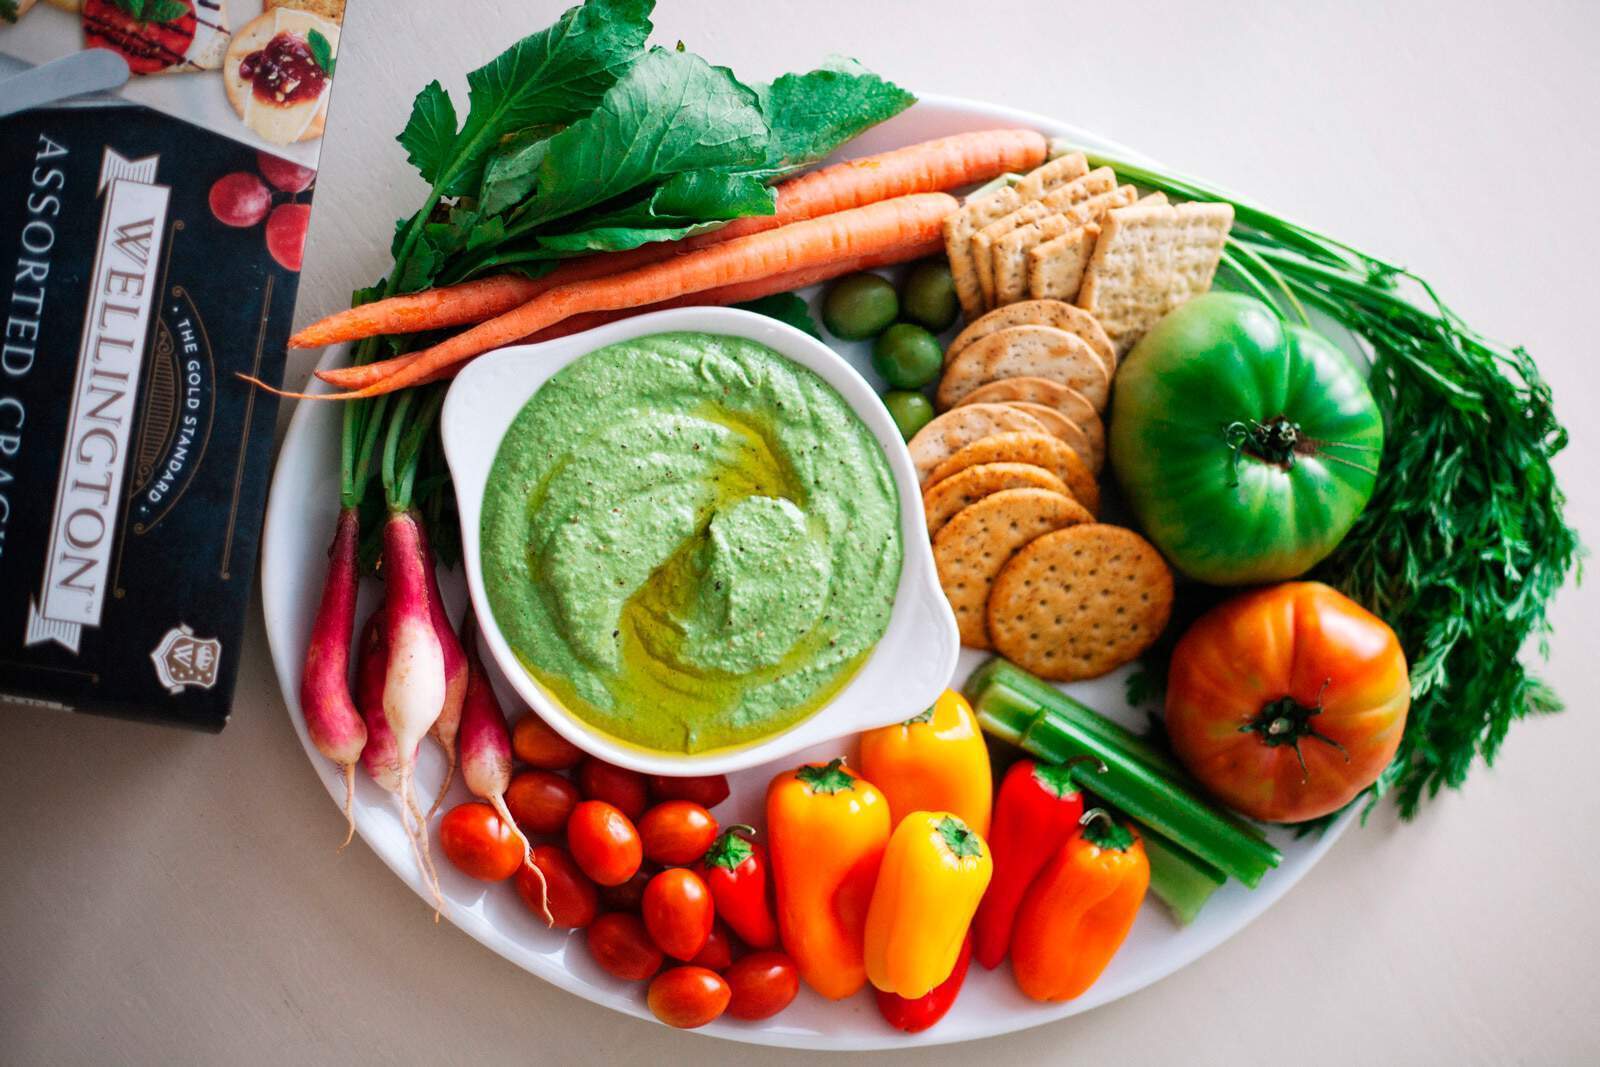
(936, 761)
(933, 875)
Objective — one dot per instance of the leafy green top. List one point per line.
(321, 50)
(156, 11)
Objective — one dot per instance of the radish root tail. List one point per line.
(416, 828)
(499, 804)
(449, 776)
(349, 805)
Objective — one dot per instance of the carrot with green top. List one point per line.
(848, 235)
(932, 166)
(360, 376)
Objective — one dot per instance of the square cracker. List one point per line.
(1149, 259)
(972, 216)
(1048, 203)
(1011, 252)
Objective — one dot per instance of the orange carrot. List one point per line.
(728, 294)
(846, 235)
(431, 309)
(932, 166)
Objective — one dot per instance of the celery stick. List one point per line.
(1181, 881)
(1056, 727)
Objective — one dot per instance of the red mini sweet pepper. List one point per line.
(737, 870)
(914, 1016)
(1036, 811)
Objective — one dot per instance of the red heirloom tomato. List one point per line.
(687, 997)
(479, 842)
(678, 912)
(1288, 701)
(571, 896)
(541, 801)
(622, 947)
(707, 790)
(763, 984)
(623, 789)
(536, 742)
(718, 951)
(604, 842)
(677, 832)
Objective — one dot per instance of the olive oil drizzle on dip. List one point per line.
(690, 541)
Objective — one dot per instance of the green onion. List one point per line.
(1139, 779)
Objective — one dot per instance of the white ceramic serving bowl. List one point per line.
(907, 669)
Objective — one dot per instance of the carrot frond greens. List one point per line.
(1465, 541)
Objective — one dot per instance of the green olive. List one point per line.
(907, 356)
(859, 307)
(928, 295)
(910, 411)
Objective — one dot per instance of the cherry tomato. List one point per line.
(718, 951)
(762, 985)
(479, 842)
(537, 744)
(707, 790)
(687, 997)
(678, 912)
(604, 842)
(630, 894)
(622, 947)
(621, 788)
(540, 801)
(677, 832)
(572, 897)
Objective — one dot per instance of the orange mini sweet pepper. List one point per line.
(934, 873)
(936, 761)
(1079, 909)
(826, 831)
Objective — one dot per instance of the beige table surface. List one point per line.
(172, 898)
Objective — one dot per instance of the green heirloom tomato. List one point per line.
(1245, 446)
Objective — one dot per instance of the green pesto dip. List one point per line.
(689, 540)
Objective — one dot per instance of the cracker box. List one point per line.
(149, 262)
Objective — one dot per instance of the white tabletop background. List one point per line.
(168, 897)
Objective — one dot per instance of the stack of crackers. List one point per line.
(1010, 490)
(1065, 232)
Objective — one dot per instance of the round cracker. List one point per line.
(1068, 401)
(976, 543)
(944, 499)
(952, 431)
(252, 37)
(1039, 449)
(1027, 352)
(1058, 425)
(1079, 602)
(1057, 313)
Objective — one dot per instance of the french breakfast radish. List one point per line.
(379, 756)
(414, 686)
(486, 751)
(446, 726)
(332, 718)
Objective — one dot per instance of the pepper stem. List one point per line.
(1103, 831)
(826, 778)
